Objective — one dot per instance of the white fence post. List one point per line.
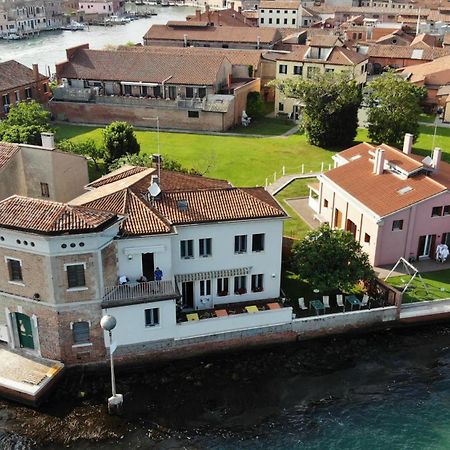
(303, 168)
(329, 166)
(267, 182)
(321, 167)
(284, 171)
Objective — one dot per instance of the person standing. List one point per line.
(158, 274)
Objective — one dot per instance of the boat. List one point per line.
(12, 37)
(73, 26)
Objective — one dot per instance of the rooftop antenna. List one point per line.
(418, 23)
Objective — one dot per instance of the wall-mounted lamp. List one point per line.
(274, 275)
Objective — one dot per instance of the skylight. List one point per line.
(182, 205)
(404, 190)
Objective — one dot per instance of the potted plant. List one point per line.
(241, 291)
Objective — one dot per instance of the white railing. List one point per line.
(135, 291)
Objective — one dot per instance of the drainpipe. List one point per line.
(162, 85)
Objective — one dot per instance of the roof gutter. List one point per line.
(162, 85)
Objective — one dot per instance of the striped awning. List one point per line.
(224, 273)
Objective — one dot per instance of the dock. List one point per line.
(27, 379)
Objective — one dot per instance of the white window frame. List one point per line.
(152, 324)
(11, 258)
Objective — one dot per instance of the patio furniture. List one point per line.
(340, 301)
(251, 309)
(221, 313)
(326, 301)
(301, 303)
(317, 305)
(273, 306)
(192, 316)
(353, 300)
(365, 300)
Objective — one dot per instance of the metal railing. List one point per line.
(136, 291)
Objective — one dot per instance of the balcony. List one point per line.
(134, 293)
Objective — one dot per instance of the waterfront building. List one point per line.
(395, 203)
(280, 14)
(100, 86)
(149, 246)
(41, 171)
(20, 83)
(324, 53)
(101, 8)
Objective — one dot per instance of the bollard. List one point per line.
(115, 404)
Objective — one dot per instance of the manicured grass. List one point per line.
(429, 118)
(245, 161)
(437, 286)
(294, 227)
(266, 126)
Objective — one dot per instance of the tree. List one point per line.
(119, 139)
(393, 109)
(331, 102)
(24, 123)
(86, 148)
(255, 105)
(331, 260)
(146, 160)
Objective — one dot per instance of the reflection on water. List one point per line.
(50, 47)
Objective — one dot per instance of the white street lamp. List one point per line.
(108, 323)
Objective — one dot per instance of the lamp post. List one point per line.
(115, 402)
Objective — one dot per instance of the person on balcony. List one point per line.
(158, 274)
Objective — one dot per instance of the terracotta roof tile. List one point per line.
(119, 174)
(281, 4)
(48, 217)
(142, 66)
(7, 151)
(406, 52)
(338, 56)
(14, 74)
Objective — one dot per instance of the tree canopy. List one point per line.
(24, 123)
(331, 102)
(393, 108)
(119, 140)
(87, 148)
(331, 260)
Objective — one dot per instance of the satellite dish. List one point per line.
(154, 190)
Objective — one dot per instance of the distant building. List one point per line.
(221, 17)
(280, 14)
(20, 83)
(101, 7)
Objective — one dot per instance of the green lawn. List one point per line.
(437, 286)
(429, 118)
(294, 226)
(245, 161)
(266, 126)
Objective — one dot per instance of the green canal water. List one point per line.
(387, 390)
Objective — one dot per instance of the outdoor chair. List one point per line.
(365, 300)
(301, 303)
(326, 301)
(340, 301)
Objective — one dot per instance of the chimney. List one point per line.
(48, 140)
(240, 9)
(232, 6)
(36, 74)
(378, 163)
(437, 154)
(407, 143)
(208, 13)
(198, 15)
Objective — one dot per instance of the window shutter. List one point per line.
(81, 333)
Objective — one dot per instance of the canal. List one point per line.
(50, 47)
(386, 390)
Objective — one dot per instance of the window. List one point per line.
(282, 68)
(80, 333)
(44, 190)
(446, 210)
(366, 238)
(270, 20)
(293, 21)
(205, 287)
(187, 249)
(257, 282)
(45, 86)
(240, 285)
(5, 100)
(204, 247)
(258, 242)
(75, 276)
(278, 21)
(436, 211)
(202, 92)
(261, 20)
(225, 45)
(157, 91)
(337, 218)
(172, 92)
(329, 70)
(222, 287)
(28, 93)
(351, 227)
(298, 70)
(285, 21)
(17, 94)
(193, 114)
(240, 243)
(127, 89)
(14, 269)
(189, 92)
(397, 225)
(281, 107)
(325, 203)
(151, 317)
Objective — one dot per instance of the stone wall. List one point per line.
(110, 265)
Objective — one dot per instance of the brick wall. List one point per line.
(110, 265)
(168, 118)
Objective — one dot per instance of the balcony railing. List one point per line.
(129, 293)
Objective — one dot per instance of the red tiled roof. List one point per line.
(281, 4)
(48, 217)
(7, 151)
(339, 56)
(14, 74)
(119, 174)
(142, 66)
(406, 52)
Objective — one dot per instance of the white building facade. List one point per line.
(280, 14)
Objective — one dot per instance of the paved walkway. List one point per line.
(429, 265)
(303, 210)
(282, 182)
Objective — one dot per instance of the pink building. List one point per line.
(395, 203)
(105, 7)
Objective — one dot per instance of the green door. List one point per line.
(25, 330)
